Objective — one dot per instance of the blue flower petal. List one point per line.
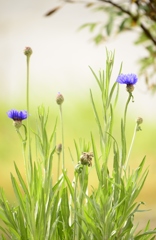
(17, 115)
(129, 79)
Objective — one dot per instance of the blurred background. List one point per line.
(60, 60)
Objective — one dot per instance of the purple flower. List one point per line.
(129, 79)
(17, 115)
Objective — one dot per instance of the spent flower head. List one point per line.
(17, 117)
(86, 158)
(128, 79)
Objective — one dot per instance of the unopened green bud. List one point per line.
(59, 99)
(139, 121)
(28, 51)
(59, 148)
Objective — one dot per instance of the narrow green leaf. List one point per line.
(71, 189)
(25, 189)
(18, 194)
(96, 115)
(96, 159)
(97, 80)
(65, 207)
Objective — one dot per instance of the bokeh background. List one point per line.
(60, 60)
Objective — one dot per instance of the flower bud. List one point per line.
(59, 148)
(28, 51)
(139, 121)
(59, 98)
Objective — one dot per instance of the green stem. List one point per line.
(62, 132)
(24, 140)
(20, 135)
(75, 231)
(125, 112)
(58, 169)
(130, 149)
(29, 176)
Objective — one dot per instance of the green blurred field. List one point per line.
(79, 122)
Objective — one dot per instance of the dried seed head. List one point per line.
(86, 158)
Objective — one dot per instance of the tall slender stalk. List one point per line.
(28, 52)
(59, 100)
(125, 112)
(76, 228)
(62, 133)
(130, 149)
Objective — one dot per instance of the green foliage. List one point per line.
(130, 16)
(68, 209)
(120, 16)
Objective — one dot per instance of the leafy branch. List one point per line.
(124, 16)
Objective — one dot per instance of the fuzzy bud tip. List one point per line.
(28, 51)
(59, 99)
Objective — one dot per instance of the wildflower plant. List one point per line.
(68, 209)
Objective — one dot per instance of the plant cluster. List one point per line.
(67, 209)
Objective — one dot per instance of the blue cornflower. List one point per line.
(17, 115)
(128, 79)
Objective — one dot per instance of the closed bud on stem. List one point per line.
(59, 99)
(59, 148)
(139, 121)
(28, 51)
